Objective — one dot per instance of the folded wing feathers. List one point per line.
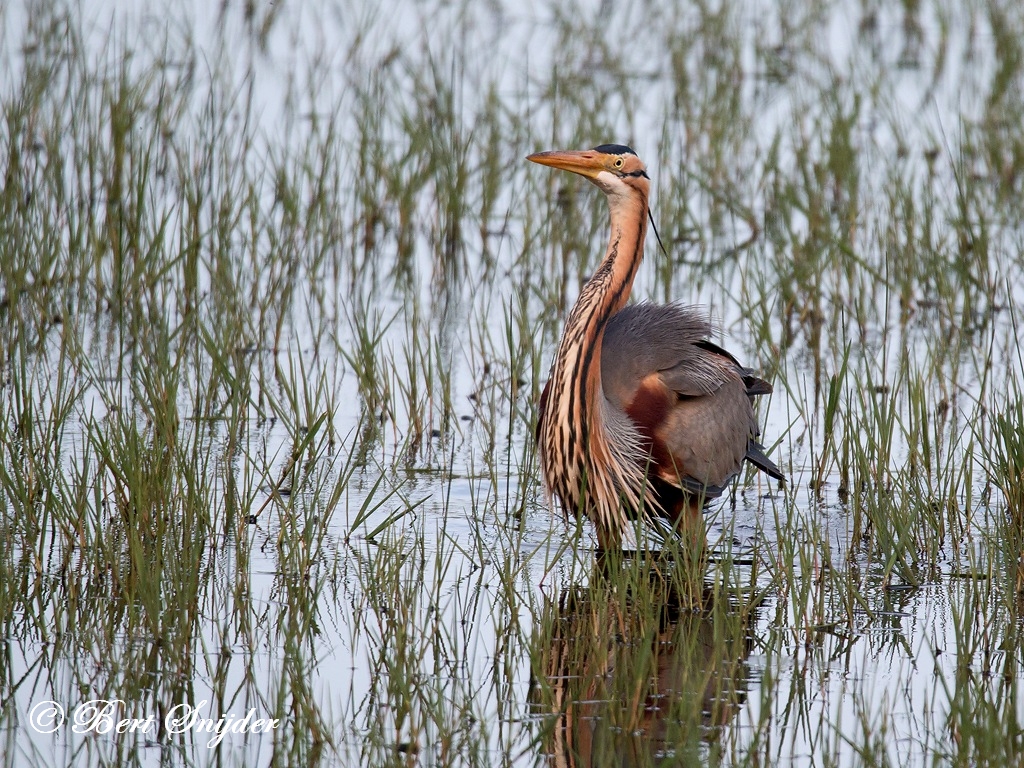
(673, 340)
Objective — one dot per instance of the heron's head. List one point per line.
(613, 167)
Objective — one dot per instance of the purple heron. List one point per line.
(642, 414)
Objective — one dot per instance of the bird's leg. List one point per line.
(607, 539)
(692, 538)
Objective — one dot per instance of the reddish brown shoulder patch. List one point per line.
(648, 410)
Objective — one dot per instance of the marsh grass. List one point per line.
(270, 359)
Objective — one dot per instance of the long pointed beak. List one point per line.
(585, 163)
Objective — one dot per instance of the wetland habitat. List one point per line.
(278, 295)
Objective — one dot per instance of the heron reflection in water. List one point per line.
(624, 681)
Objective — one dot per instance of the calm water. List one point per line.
(483, 584)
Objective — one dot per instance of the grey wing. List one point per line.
(669, 339)
(689, 396)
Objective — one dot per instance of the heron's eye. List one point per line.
(619, 162)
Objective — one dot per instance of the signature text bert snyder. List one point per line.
(103, 716)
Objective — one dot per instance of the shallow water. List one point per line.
(461, 621)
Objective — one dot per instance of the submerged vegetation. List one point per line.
(278, 293)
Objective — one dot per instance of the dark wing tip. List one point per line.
(695, 487)
(756, 386)
(755, 455)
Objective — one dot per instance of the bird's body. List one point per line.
(642, 414)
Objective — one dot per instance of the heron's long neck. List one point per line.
(608, 289)
(604, 294)
(577, 452)
(623, 257)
